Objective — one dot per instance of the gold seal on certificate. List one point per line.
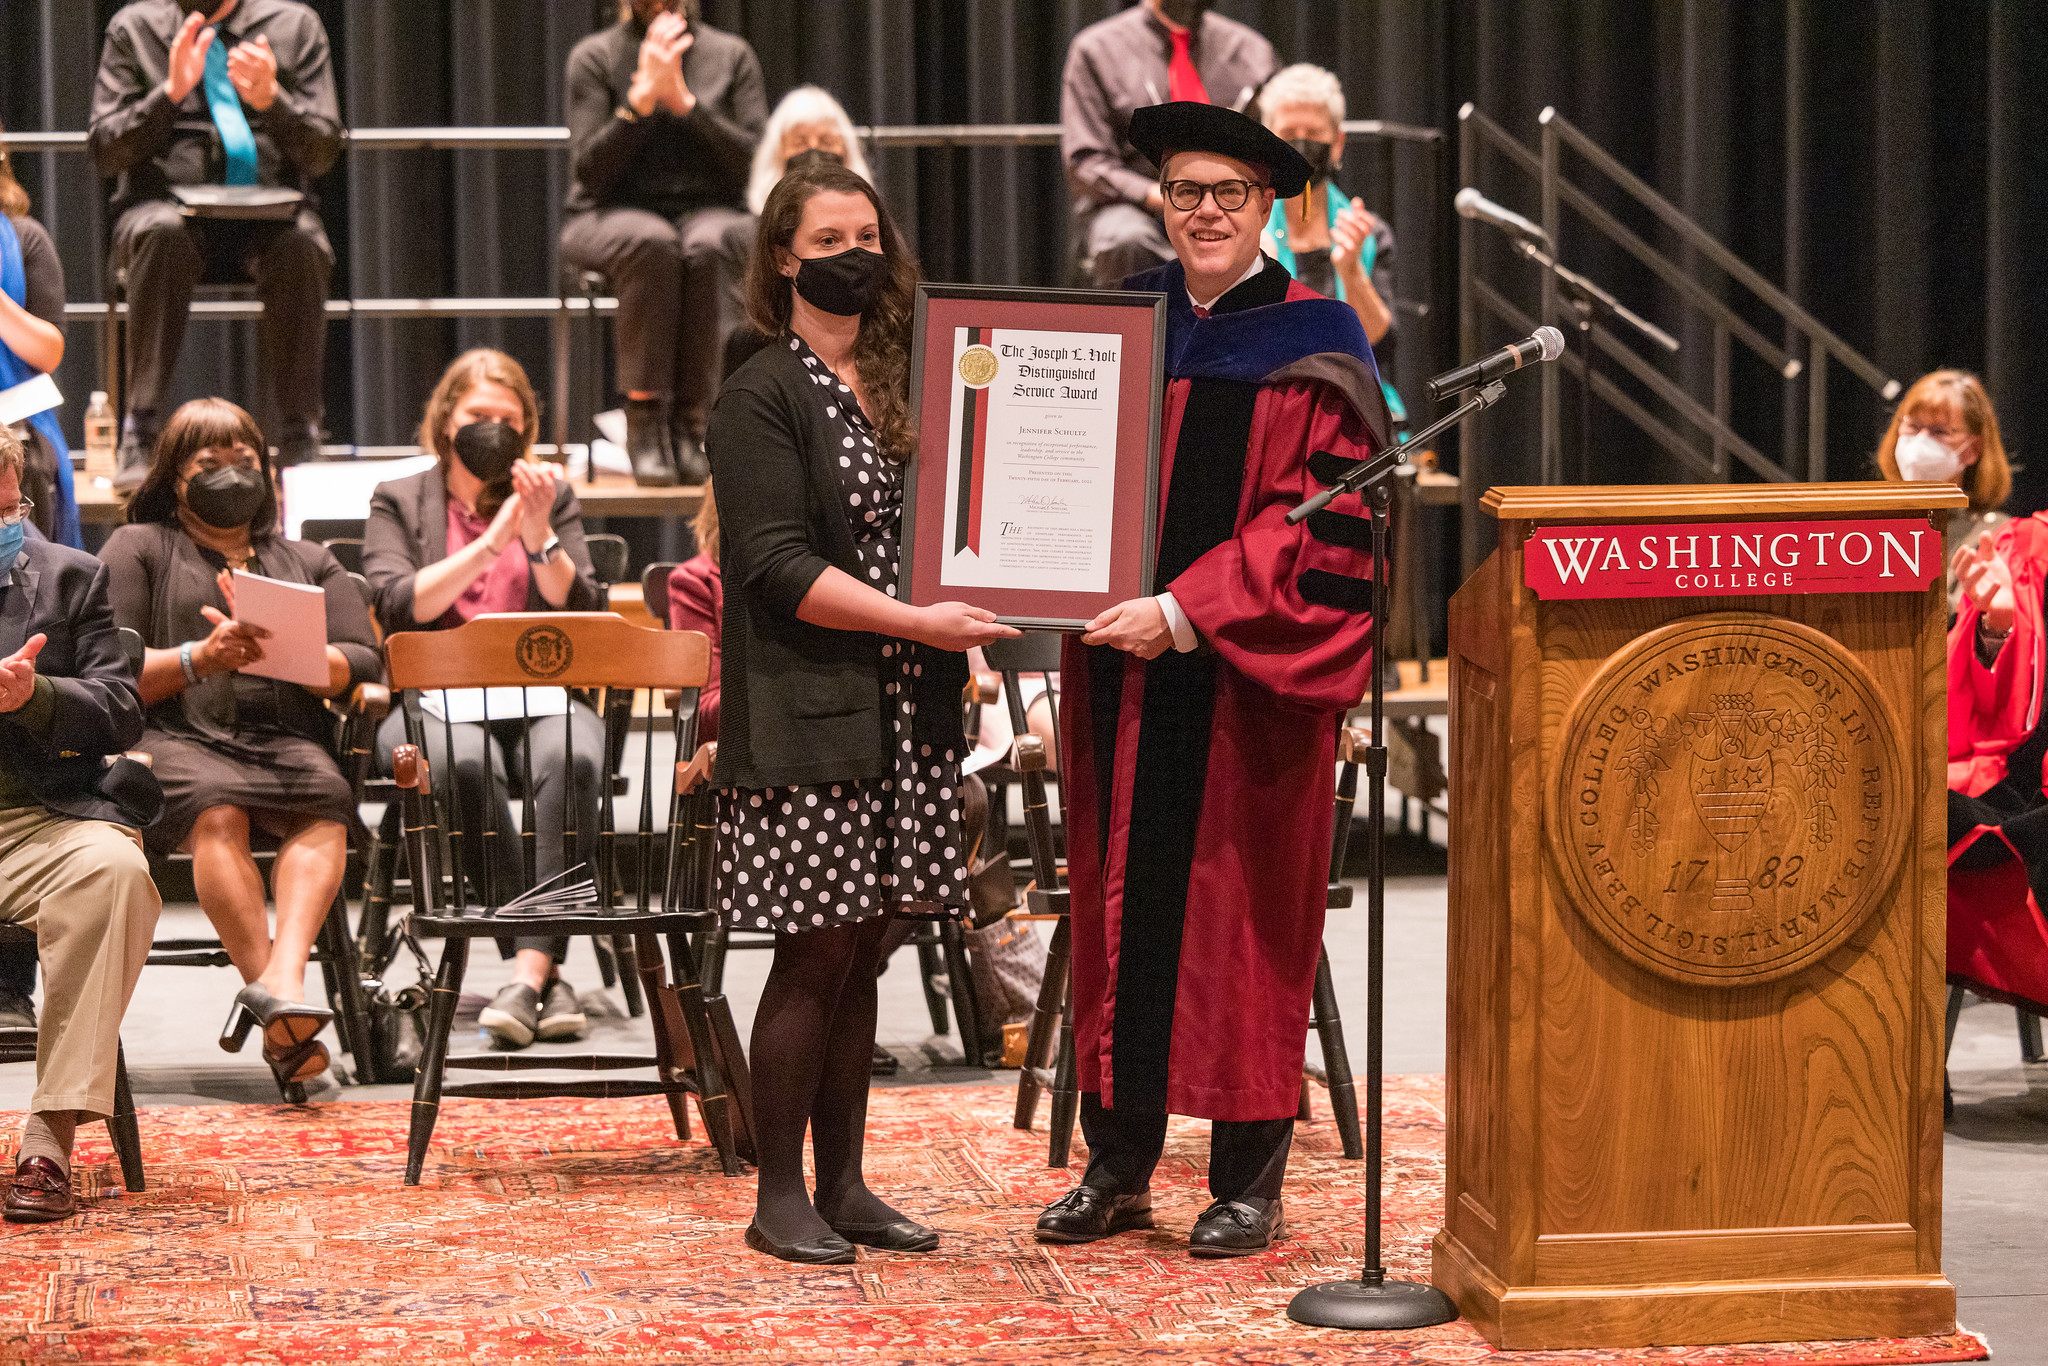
(978, 367)
(1034, 487)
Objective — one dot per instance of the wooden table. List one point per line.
(616, 495)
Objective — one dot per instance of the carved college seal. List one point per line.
(543, 651)
(1730, 800)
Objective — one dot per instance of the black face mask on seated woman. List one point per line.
(488, 450)
(1317, 154)
(847, 284)
(227, 498)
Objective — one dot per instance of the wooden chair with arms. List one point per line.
(646, 880)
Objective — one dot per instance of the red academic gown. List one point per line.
(1998, 819)
(1198, 786)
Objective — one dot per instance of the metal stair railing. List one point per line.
(1700, 423)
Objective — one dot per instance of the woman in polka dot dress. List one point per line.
(839, 730)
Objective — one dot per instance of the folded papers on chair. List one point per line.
(465, 705)
(548, 899)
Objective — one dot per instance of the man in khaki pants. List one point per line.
(71, 865)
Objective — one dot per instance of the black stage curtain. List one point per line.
(1916, 180)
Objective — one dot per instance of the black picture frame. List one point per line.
(1141, 317)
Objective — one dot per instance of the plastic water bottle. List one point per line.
(99, 437)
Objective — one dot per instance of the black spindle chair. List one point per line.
(646, 883)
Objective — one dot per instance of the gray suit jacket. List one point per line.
(408, 530)
(62, 593)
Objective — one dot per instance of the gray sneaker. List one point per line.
(16, 1012)
(561, 1014)
(513, 1016)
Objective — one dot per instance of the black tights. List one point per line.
(812, 1054)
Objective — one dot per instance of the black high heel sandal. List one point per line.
(286, 1024)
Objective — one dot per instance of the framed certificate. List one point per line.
(1035, 491)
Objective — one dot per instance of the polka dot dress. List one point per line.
(802, 858)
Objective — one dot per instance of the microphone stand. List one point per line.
(1373, 1301)
(1589, 302)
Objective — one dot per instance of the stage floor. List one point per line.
(249, 1199)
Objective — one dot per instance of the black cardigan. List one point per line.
(798, 703)
(408, 530)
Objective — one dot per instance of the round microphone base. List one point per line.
(1388, 1305)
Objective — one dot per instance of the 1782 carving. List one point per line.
(1730, 799)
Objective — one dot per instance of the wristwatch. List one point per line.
(546, 552)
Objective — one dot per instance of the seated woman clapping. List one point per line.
(238, 755)
(490, 530)
(1997, 809)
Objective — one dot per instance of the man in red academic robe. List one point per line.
(1201, 723)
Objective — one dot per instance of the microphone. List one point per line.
(1545, 343)
(1472, 204)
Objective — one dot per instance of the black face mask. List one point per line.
(847, 284)
(812, 156)
(488, 450)
(226, 499)
(1186, 13)
(1316, 154)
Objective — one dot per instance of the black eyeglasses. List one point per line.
(1230, 195)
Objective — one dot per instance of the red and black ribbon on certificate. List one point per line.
(974, 449)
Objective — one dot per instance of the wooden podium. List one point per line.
(1697, 918)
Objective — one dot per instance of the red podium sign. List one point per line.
(1669, 560)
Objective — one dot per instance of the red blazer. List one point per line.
(1990, 711)
(696, 602)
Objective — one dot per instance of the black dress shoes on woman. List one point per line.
(898, 1235)
(1237, 1228)
(830, 1250)
(289, 1045)
(1087, 1213)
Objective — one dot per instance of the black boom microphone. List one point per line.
(1545, 343)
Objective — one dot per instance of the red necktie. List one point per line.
(1201, 312)
(1183, 82)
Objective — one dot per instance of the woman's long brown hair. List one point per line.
(881, 350)
(463, 374)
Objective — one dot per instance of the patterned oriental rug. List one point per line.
(579, 1231)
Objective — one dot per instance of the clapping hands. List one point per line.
(1987, 582)
(658, 79)
(1349, 234)
(18, 674)
(231, 644)
(251, 66)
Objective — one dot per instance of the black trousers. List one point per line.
(167, 255)
(494, 863)
(678, 285)
(1246, 1156)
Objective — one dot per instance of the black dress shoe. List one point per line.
(830, 1250)
(900, 1235)
(138, 444)
(1235, 1228)
(692, 465)
(1087, 1213)
(41, 1193)
(647, 443)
